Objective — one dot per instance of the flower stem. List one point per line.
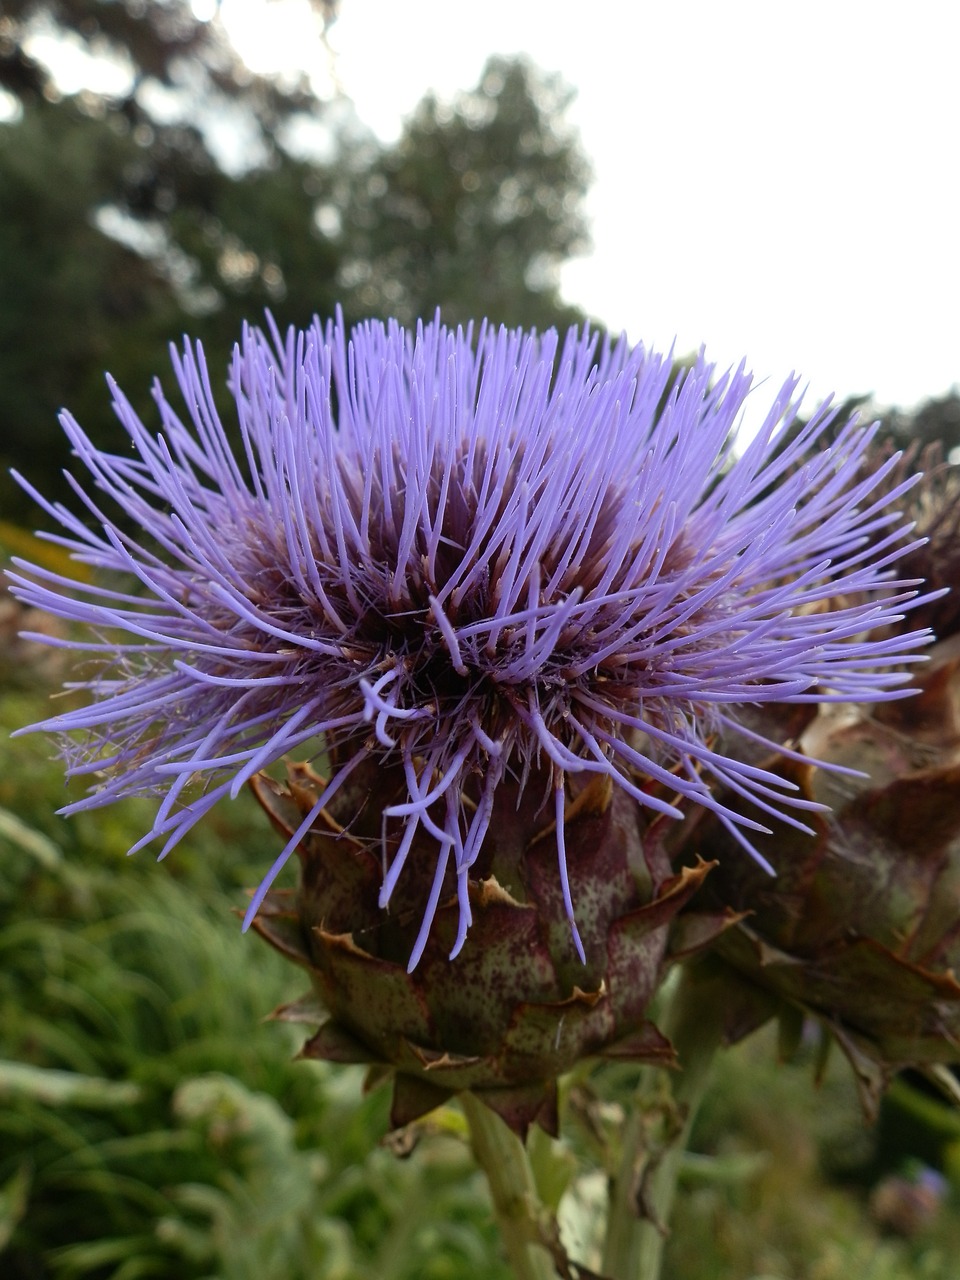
(520, 1215)
(657, 1129)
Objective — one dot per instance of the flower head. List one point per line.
(471, 559)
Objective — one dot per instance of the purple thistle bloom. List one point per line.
(480, 561)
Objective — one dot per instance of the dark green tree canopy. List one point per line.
(162, 40)
(119, 231)
(475, 207)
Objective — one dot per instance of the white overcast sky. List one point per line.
(773, 180)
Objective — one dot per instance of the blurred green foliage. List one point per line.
(152, 1123)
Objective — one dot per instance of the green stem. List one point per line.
(520, 1215)
(656, 1133)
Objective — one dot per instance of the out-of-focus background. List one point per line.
(773, 181)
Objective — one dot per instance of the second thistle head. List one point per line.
(861, 926)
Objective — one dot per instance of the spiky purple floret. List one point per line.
(474, 560)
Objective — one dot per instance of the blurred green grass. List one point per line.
(152, 1123)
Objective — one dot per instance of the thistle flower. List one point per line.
(472, 562)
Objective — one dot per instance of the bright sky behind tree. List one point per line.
(771, 180)
(774, 180)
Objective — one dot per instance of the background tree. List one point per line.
(128, 219)
(475, 208)
(935, 422)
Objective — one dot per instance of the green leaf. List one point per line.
(13, 1203)
(65, 1088)
(30, 841)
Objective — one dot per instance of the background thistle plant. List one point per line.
(861, 926)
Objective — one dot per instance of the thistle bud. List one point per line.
(860, 925)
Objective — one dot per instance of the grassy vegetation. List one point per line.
(152, 1124)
